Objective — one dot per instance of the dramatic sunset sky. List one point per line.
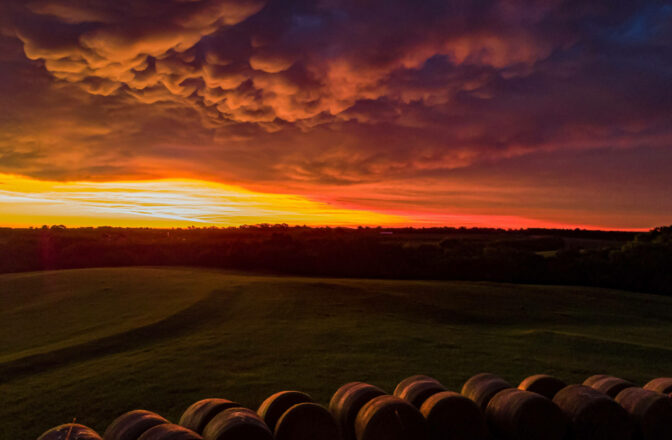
(504, 113)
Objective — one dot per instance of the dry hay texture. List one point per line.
(70, 431)
(651, 412)
(306, 421)
(237, 424)
(418, 377)
(131, 425)
(199, 414)
(168, 431)
(594, 378)
(611, 386)
(452, 416)
(419, 390)
(346, 403)
(547, 386)
(660, 384)
(275, 406)
(391, 418)
(514, 414)
(483, 387)
(593, 415)
(488, 408)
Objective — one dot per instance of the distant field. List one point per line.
(95, 343)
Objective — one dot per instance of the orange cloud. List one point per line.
(381, 105)
(188, 49)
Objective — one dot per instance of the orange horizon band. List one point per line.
(181, 202)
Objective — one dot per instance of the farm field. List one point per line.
(95, 343)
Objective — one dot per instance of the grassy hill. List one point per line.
(95, 343)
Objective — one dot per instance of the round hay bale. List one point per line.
(611, 386)
(390, 418)
(515, 414)
(593, 415)
(197, 416)
(660, 384)
(482, 387)
(404, 383)
(131, 425)
(168, 431)
(237, 424)
(306, 421)
(542, 384)
(70, 431)
(418, 391)
(594, 378)
(651, 412)
(451, 416)
(346, 403)
(275, 406)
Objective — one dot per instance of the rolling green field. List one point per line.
(95, 343)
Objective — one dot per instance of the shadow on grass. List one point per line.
(198, 314)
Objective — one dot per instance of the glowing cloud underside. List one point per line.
(164, 203)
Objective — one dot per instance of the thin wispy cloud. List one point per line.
(28, 202)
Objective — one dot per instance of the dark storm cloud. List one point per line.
(327, 92)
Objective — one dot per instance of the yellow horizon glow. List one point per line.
(165, 203)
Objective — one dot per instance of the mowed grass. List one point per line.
(95, 343)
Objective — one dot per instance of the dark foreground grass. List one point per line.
(95, 343)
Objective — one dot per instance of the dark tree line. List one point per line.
(640, 262)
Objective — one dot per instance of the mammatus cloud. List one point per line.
(293, 61)
(360, 101)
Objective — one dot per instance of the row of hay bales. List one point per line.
(542, 407)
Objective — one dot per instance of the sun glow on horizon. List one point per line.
(164, 203)
(182, 202)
